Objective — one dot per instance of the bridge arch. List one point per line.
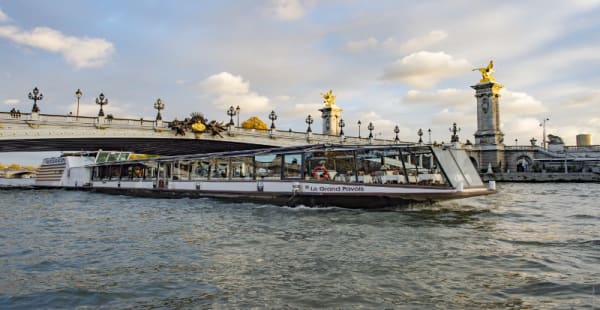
(524, 163)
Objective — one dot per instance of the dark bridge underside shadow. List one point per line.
(137, 145)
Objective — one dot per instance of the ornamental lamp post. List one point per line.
(78, 94)
(454, 130)
(396, 131)
(420, 134)
(533, 141)
(359, 123)
(309, 120)
(159, 105)
(35, 96)
(370, 128)
(231, 113)
(342, 125)
(101, 101)
(429, 131)
(237, 112)
(272, 117)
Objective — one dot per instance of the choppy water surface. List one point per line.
(530, 246)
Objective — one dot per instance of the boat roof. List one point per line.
(279, 150)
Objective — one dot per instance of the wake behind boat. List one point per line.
(313, 175)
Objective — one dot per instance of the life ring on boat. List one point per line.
(137, 171)
(161, 183)
(320, 172)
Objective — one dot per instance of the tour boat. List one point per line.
(349, 176)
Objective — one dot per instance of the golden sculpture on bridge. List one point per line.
(328, 99)
(486, 73)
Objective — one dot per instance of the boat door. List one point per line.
(164, 175)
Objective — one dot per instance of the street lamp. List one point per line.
(359, 123)
(429, 131)
(533, 141)
(543, 124)
(101, 100)
(78, 93)
(420, 133)
(35, 96)
(342, 125)
(272, 117)
(454, 130)
(159, 105)
(309, 120)
(231, 113)
(516, 142)
(396, 131)
(237, 112)
(371, 128)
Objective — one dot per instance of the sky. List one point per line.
(403, 63)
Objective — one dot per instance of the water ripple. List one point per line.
(530, 246)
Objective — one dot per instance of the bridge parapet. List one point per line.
(70, 127)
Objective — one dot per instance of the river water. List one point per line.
(534, 246)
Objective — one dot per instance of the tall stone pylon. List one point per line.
(489, 139)
(331, 115)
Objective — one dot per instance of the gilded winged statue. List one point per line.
(486, 73)
(328, 98)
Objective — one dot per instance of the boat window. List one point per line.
(200, 169)
(181, 170)
(291, 166)
(458, 167)
(164, 170)
(242, 168)
(102, 157)
(370, 166)
(423, 168)
(336, 166)
(268, 166)
(150, 170)
(220, 169)
(115, 173)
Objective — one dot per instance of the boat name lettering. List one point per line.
(339, 188)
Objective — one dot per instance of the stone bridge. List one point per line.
(44, 132)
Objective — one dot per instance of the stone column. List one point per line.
(331, 116)
(489, 139)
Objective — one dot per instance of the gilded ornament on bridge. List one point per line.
(487, 73)
(328, 99)
(254, 123)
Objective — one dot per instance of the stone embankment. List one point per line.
(543, 177)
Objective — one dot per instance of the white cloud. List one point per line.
(425, 69)
(415, 44)
(3, 16)
(517, 103)
(288, 9)
(362, 45)
(78, 52)
(231, 90)
(11, 101)
(442, 97)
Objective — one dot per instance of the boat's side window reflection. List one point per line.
(241, 168)
(200, 169)
(268, 166)
(336, 166)
(292, 163)
(422, 168)
(219, 169)
(371, 167)
(181, 170)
